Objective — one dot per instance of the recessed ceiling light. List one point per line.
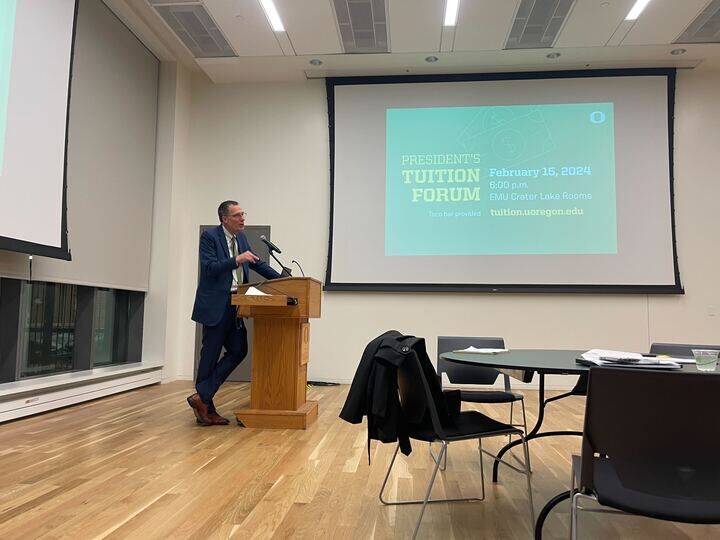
(315, 62)
(552, 55)
(636, 10)
(272, 14)
(431, 59)
(451, 12)
(675, 52)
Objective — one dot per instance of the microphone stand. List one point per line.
(286, 272)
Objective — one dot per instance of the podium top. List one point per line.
(282, 281)
(290, 297)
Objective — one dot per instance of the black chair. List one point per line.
(678, 349)
(648, 454)
(467, 374)
(422, 420)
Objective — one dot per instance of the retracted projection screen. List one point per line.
(36, 41)
(524, 182)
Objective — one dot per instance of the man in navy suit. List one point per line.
(225, 261)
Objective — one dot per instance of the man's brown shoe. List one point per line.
(200, 409)
(215, 419)
(221, 420)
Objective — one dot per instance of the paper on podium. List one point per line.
(252, 291)
(475, 350)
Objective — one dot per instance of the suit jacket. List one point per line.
(374, 390)
(216, 267)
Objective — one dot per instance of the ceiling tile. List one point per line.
(415, 25)
(663, 22)
(245, 26)
(483, 25)
(620, 32)
(310, 25)
(592, 23)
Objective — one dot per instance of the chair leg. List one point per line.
(437, 462)
(511, 419)
(429, 488)
(529, 483)
(387, 474)
(522, 405)
(444, 465)
(524, 426)
(573, 516)
(572, 500)
(482, 469)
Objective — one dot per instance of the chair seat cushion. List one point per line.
(467, 425)
(690, 493)
(489, 396)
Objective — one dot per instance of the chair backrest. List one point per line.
(467, 374)
(657, 429)
(415, 395)
(678, 349)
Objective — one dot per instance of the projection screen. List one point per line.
(544, 182)
(36, 39)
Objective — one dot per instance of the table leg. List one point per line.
(542, 402)
(542, 516)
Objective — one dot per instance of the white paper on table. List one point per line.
(605, 357)
(475, 350)
(676, 360)
(597, 354)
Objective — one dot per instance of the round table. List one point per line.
(522, 364)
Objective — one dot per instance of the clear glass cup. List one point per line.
(705, 359)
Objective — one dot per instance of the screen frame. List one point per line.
(332, 82)
(31, 248)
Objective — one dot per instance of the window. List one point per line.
(60, 328)
(111, 321)
(47, 332)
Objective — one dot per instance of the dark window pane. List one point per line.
(110, 327)
(48, 330)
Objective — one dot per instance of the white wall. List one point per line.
(266, 145)
(110, 160)
(163, 339)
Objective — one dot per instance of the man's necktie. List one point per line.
(238, 272)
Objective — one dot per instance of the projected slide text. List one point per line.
(526, 179)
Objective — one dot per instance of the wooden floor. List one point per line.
(136, 465)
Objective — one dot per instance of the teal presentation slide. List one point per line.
(501, 180)
(7, 29)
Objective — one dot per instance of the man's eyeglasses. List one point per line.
(239, 215)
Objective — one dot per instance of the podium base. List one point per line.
(279, 419)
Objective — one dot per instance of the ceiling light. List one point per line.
(451, 12)
(636, 10)
(552, 55)
(315, 62)
(272, 15)
(431, 59)
(675, 52)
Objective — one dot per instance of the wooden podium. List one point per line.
(281, 347)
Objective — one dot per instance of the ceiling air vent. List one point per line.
(194, 26)
(705, 28)
(363, 25)
(537, 23)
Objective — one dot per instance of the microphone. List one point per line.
(269, 244)
(298, 265)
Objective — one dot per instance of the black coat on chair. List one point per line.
(374, 389)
